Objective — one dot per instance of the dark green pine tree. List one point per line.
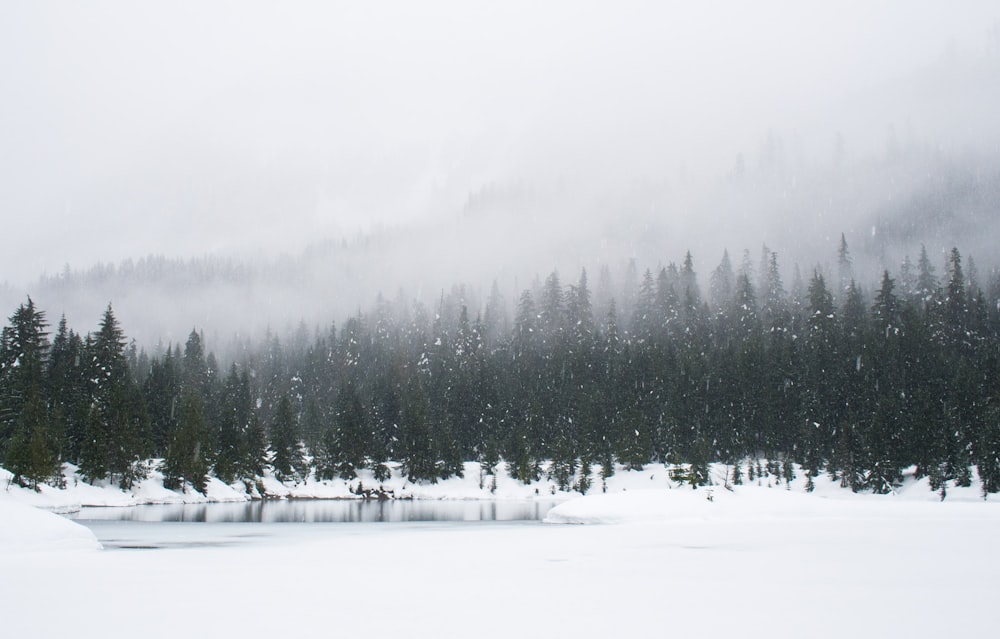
(463, 401)
(233, 422)
(200, 371)
(417, 446)
(117, 430)
(926, 292)
(962, 416)
(987, 452)
(326, 462)
(443, 389)
(67, 390)
(94, 456)
(875, 450)
(692, 310)
(287, 458)
(162, 389)
(853, 366)
(29, 441)
(819, 410)
(254, 449)
(190, 454)
(186, 459)
(773, 302)
(385, 419)
(352, 439)
(956, 309)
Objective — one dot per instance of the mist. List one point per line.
(324, 153)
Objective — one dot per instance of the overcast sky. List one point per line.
(182, 128)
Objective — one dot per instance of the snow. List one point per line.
(79, 492)
(27, 529)
(472, 485)
(658, 559)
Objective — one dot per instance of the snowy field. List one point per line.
(753, 562)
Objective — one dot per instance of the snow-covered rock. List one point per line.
(25, 528)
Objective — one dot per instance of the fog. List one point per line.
(331, 151)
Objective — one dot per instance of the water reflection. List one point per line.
(323, 510)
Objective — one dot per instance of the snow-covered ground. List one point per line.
(473, 485)
(752, 562)
(25, 529)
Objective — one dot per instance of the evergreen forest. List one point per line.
(858, 380)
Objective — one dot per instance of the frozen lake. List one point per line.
(753, 563)
(226, 524)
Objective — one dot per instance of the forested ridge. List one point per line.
(857, 380)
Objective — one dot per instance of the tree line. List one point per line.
(854, 382)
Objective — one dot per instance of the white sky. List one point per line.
(187, 127)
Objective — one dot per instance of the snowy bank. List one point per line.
(711, 503)
(78, 492)
(23, 528)
(473, 485)
(762, 499)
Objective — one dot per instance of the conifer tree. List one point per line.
(117, 431)
(67, 389)
(663, 314)
(29, 443)
(254, 449)
(956, 310)
(495, 318)
(418, 448)
(287, 460)
(162, 389)
(233, 422)
(351, 436)
(845, 267)
(722, 285)
(186, 459)
(926, 283)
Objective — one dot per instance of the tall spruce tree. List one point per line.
(187, 457)
(29, 437)
(67, 388)
(117, 431)
(288, 457)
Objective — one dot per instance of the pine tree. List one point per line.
(956, 310)
(351, 441)
(117, 430)
(495, 320)
(773, 307)
(645, 317)
(583, 483)
(186, 459)
(162, 389)
(987, 452)
(287, 460)
(845, 267)
(926, 283)
(722, 285)
(233, 420)
(29, 441)
(819, 412)
(254, 452)
(67, 390)
(691, 303)
(663, 314)
(418, 448)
